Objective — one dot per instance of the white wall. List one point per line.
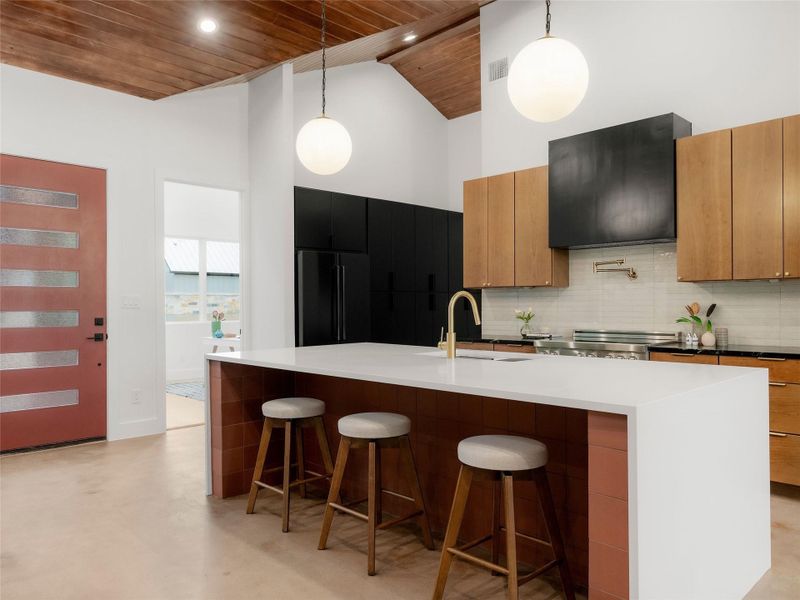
(270, 264)
(717, 64)
(194, 211)
(186, 348)
(194, 137)
(463, 156)
(399, 138)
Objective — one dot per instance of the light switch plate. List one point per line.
(132, 302)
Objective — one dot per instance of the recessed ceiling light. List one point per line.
(207, 25)
(410, 37)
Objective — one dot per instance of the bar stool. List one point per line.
(375, 430)
(292, 415)
(501, 459)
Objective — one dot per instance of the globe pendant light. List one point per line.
(548, 78)
(323, 144)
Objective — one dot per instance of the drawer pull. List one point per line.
(512, 345)
(776, 384)
(681, 354)
(776, 434)
(776, 359)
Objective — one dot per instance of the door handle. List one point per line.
(344, 304)
(98, 337)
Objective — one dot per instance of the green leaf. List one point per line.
(708, 325)
(697, 320)
(684, 320)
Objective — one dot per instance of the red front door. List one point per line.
(52, 302)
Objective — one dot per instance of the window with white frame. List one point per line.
(200, 277)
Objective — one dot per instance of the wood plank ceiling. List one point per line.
(153, 48)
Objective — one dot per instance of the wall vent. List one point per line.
(498, 69)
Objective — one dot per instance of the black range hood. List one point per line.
(615, 186)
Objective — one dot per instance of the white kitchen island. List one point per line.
(677, 455)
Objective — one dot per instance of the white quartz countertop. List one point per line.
(618, 386)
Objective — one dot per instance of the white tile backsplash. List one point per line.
(755, 312)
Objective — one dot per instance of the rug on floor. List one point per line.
(188, 389)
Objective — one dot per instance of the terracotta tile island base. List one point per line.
(659, 471)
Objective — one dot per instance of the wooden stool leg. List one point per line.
(412, 477)
(266, 433)
(553, 530)
(496, 531)
(453, 526)
(322, 438)
(511, 537)
(287, 472)
(333, 494)
(373, 504)
(301, 467)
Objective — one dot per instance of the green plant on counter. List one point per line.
(693, 309)
(524, 315)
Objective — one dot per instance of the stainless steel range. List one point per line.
(605, 343)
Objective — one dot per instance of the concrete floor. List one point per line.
(184, 412)
(129, 519)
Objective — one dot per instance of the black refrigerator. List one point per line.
(333, 298)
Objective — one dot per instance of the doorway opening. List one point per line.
(202, 291)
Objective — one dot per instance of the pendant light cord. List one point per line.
(546, 24)
(324, 31)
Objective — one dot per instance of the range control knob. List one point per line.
(608, 356)
(592, 355)
(632, 358)
(620, 357)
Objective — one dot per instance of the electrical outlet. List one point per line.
(136, 397)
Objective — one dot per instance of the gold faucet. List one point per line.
(450, 343)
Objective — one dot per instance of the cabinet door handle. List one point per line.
(775, 359)
(776, 384)
(776, 434)
(513, 345)
(681, 354)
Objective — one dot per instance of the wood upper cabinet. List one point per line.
(791, 196)
(475, 233)
(535, 263)
(703, 173)
(758, 201)
(506, 233)
(500, 230)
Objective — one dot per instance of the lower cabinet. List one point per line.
(685, 357)
(784, 457)
(784, 413)
(784, 405)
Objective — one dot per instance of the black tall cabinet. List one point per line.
(413, 258)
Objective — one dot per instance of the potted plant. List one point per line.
(525, 316)
(708, 338)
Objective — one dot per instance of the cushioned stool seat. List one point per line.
(374, 425)
(502, 453)
(293, 408)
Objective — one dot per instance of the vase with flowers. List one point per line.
(525, 316)
(705, 328)
(216, 324)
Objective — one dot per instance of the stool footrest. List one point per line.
(477, 561)
(530, 538)
(398, 495)
(474, 543)
(393, 522)
(533, 574)
(349, 511)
